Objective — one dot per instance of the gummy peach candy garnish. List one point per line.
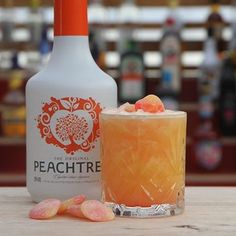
(77, 206)
(150, 103)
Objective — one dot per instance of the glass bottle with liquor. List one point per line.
(93, 46)
(128, 11)
(7, 24)
(63, 102)
(170, 86)
(207, 145)
(97, 11)
(210, 71)
(174, 14)
(128, 14)
(208, 150)
(215, 21)
(102, 50)
(97, 42)
(232, 44)
(98, 48)
(44, 47)
(169, 97)
(227, 101)
(13, 104)
(36, 21)
(132, 80)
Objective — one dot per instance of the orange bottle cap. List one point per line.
(70, 17)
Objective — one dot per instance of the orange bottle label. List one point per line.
(70, 123)
(70, 18)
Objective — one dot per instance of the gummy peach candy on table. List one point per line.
(150, 103)
(92, 210)
(77, 206)
(72, 201)
(45, 209)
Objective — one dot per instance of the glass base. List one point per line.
(163, 210)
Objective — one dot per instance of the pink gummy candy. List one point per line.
(150, 103)
(72, 201)
(92, 210)
(45, 209)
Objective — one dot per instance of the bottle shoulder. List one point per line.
(55, 78)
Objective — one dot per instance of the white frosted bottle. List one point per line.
(63, 105)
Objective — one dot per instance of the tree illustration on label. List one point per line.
(70, 123)
(72, 127)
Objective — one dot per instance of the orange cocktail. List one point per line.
(143, 161)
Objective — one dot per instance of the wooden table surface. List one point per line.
(209, 211)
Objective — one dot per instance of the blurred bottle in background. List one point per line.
(37, 59)
(210, 72)
(173, 6)
(132, 81)
(215, 21)
(6, 19)
(101, 62)
(128, 14)
(227, 101)
(98, 47)
(45, 47)
(129, 11)
(36, 21)
(97, 41)
(13, 103)
(207, 146)
(93, 46)
(169, 97)
(97, 12)
(170, 86)
(232, 44)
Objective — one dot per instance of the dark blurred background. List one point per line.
(183, 51)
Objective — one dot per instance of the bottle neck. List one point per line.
(173, 4)
(215, 8)
(70, 18)
(71, 44)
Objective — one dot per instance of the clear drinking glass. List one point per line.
(143, 162)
